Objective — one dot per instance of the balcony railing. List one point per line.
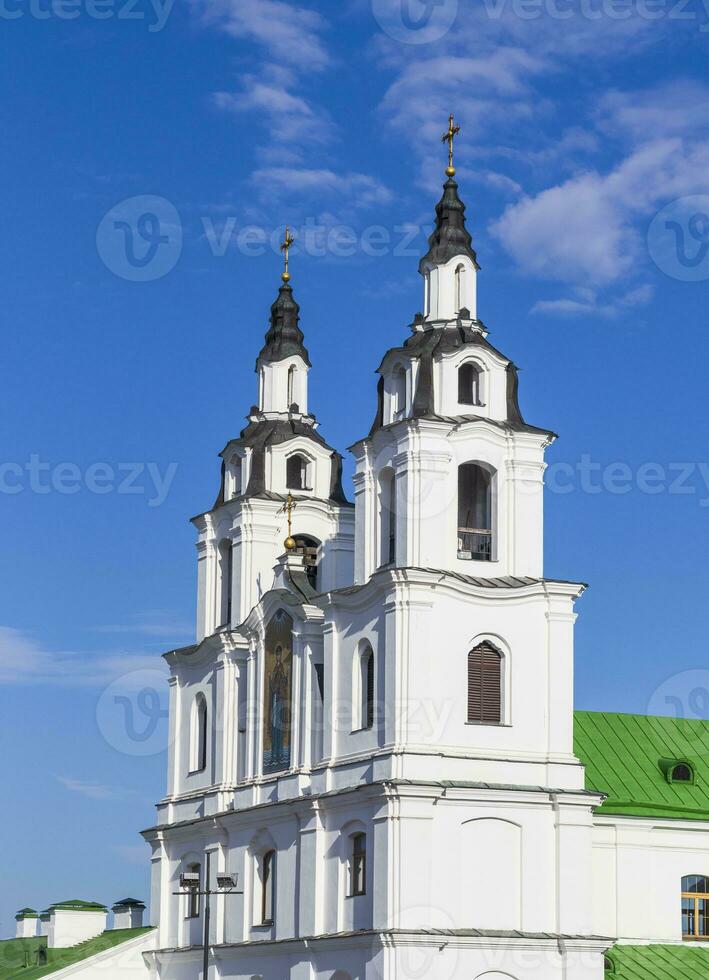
(475, 544)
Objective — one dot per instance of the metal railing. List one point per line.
(475, 544)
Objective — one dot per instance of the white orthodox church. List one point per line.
(375, 729)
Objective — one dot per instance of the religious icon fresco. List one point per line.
(278, 679)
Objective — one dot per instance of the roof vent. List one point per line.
(677, 771)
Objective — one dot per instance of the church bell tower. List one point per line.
(450, 475)
(279, 464)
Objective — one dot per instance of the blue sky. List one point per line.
(583, 162)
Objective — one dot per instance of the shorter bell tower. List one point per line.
(279, 464)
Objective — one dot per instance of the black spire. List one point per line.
(450, 236)
(284, 337)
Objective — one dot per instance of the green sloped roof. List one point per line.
(658, 962)
(624, 757)
(12, 953)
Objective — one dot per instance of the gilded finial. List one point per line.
(448, 138)
(285, 248)
(290, 543)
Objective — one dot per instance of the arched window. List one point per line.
(474, 512)
(226, 582)
(297, 472)
(234, 478)
(681, 773)
(364, 688)
(387, 517)
(308, 548)
(358, 865)
(695, 907)
(398, 393)
(199, 733)
(459, 283)
(194, 898)
(469, 384)
(268, 887)
(485, 685)
(608, 964)
(291, 385)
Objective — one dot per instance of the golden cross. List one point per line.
(285, 248)
(288, 507)
(448, 138)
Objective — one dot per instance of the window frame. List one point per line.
(306, 471)
(357, 865)
(476, 398)
(488, 647)
(268, 887)
(695, 915)
(199, 734)
(194, 899)
(488, 535)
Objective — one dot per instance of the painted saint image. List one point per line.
(277, 693)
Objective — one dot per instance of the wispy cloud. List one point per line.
(359, 190)
(159, 624)
(586, 230)
(25, 660)
(291, 33)
(290, 119)
(92, 791)
(586, 302)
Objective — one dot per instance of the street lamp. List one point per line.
(189, 885)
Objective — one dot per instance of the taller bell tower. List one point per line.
(450, 475)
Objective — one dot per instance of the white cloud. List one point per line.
(92, 791)
(359, 190)
(291, 119)
(290, 33)
(158, 623)
(676, 108)
(587, 303)
(586, 230)
(24, 660)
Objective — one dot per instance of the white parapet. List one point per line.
(27, 924)
(128, 914)
(74, 922)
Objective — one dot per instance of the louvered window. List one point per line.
(484, 685)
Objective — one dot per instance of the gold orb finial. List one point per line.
(449, 138)
(290, 544)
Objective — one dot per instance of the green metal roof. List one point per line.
(77, 905)
(627, 757)
(15, 952)
(658, 962)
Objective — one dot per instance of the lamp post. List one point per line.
(189, 885)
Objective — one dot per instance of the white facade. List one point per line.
(69, 927)
(388, 817)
